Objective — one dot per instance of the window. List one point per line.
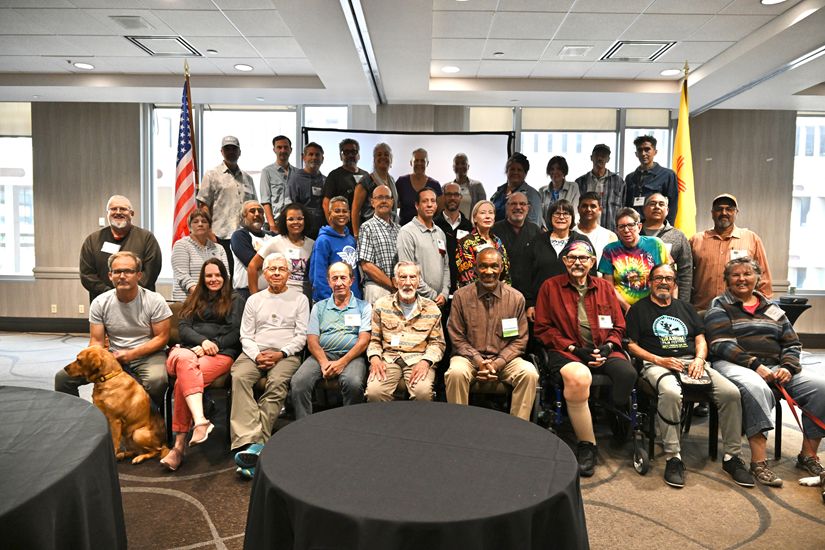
(556, 144)
(16, 205)
(806, 263)
(662, 136)
(325, 117)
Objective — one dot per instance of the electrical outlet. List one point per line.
(54, 308)
(101, 222)
(80, 308)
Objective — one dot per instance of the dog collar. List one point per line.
(109, 376)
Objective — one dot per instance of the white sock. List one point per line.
(668, 456)
(727, 457)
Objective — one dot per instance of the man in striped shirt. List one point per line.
(714, 248)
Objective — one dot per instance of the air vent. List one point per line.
(131, 22)
(164, 46)
(575, 51)
(639, 51)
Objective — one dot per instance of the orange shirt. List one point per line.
(710, 254)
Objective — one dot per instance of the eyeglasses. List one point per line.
(660, 204)
(276, 269)
(123, 271)
(561, 215)
(452, 194)
(382, 197)
(660, 278)
(626, 226)
(349, 151)
(576, 259)
(290, 220)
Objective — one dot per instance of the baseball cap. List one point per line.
(230, 140)
(727, 196)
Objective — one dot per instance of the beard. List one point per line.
(724, 224)
(661, 295)
(351, 163)
(406, 295)
(120, 224)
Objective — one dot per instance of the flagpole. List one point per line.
(191, 122)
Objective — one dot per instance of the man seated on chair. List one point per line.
(137, 322)
(273, 333)
(407, 340)
(579, 320)
(669, 338)
(488, 329)
(337, 336)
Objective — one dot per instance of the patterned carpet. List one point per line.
(204, 503)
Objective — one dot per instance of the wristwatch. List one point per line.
(285, 352)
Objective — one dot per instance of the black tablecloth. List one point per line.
(59, 486)
(415, 475)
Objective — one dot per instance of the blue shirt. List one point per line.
(338, 329)
(656, 180)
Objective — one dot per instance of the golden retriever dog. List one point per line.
(124, 403)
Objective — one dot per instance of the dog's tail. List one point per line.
(164, 450)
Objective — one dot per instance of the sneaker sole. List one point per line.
(246, 459)
(682, 486)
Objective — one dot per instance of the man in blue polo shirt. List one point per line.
(650, 178)
(337, 337)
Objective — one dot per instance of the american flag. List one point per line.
(185, 172)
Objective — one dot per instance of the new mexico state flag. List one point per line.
(683, 165)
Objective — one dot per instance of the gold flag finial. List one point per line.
(186, 67)
(687, 69)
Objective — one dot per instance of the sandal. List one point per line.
(764, 475)
(172, 460)
(200, 433)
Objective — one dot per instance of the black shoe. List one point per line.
(675, 473)
(701, 410)
(737, 470)
(586, 457)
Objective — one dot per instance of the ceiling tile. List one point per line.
(615, 69)
(284, 46)
(179, 4)
(653, 72)
(292, 67)
(245, 4)
(259, 23)
(197, 23)
(616, 6)
(160, 28)
(110, 4)
(730, 27)
(749, 7)
(136, 65)
(227, 46)
(535, 5)
(100, 66)
(465, 24)
(469, 69)
(197, 66)
(711, 7)
(34, 64)
(515, 49)
(475, 5)
(599, 48)
(594, 26)
(36, 4)
(525, 25)
(665, 27)
(505, 69)
(113, 46)
(5, 68)
(12, 22)
(228, 66)
(694, 52)
(65, 21)
(561, 69)
(466, 48)
(43, 45)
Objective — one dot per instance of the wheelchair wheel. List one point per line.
(641, 462)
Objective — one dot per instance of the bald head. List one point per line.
(382, 202)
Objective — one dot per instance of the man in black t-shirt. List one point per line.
(669, 338)
(342, 181)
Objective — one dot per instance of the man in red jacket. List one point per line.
(580, 321)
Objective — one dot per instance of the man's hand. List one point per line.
(585, 355)
(487, 371)
(267, 359)
(419, 371)
(124, 356)
(333, 368)
(378, 369)
(198, 351)
(531, 314)
(696, 369)
(440, 301)
(671, 363)
(782, 375)
(767, 374)
(209, 347)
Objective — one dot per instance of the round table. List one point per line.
(415, 475)
(59, 485)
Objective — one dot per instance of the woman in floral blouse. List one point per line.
(484, 216)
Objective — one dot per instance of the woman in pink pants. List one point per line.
(210, 330)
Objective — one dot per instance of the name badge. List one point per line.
(275, 321)
(774, 312)
(738, 254)
(605, 322)
(442, 247)
(460, 234)
(293, 254)
(110, 248)
(639, 201)
(317, 191)
(395, 341)
(352, 320)
(509, 327)
(668, 247)
(465, 190)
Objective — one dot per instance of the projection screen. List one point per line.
(487, 152)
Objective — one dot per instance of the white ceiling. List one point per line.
(506, 50)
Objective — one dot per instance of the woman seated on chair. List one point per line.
(580, 321)
(757, 348)
(210, 331)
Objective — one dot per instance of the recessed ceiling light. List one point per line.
(84, 66)
(212, 52)
(450, 69)
(242, 67)
(772, 2)
(671, 72)
(499, 54)
(259, 98)
(575, 51)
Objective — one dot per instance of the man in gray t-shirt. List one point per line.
(137, 322)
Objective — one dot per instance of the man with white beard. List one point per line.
(407, 340)
(120, 236)
(245, 244)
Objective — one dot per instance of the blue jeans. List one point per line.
(807, 389)
(351, 379)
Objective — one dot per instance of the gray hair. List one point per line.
(420, 150)
(743, 260)
(478, 205)
(664, 198)
(125, 254)
(401, 264)
(348, 141)
(113, 197)
(246, 205)
(277, 256)
(462, 156)
(517, 193)
(627, 211)
(378, 146)
(339, 198)
(490, 249)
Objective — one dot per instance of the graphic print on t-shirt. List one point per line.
(348, 255)
(672, 332)
(632, 271)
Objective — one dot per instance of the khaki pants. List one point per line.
(251, 421)
(518, 373)
(382, 390)
(373, 291)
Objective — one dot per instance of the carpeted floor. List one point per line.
(204, 503)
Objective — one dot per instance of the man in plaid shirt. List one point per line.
(377, 247)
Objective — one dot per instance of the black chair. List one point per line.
(497, 388)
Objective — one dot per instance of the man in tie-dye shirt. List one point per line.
(627, 262)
